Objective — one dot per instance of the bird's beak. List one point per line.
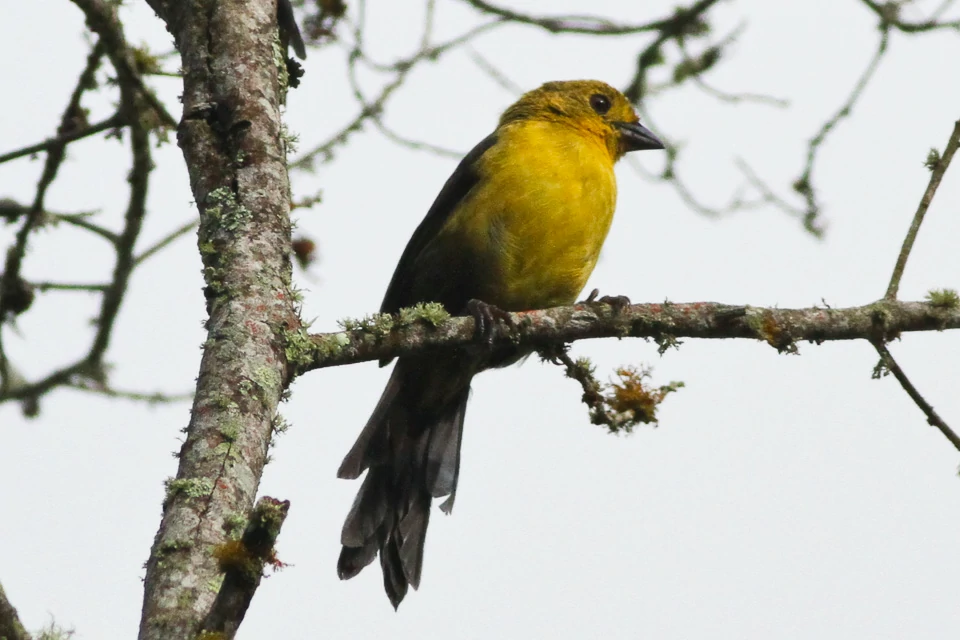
(636, 137)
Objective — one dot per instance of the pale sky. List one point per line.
(781, 496)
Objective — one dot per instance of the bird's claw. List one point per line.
(617, 303)
(487, 317)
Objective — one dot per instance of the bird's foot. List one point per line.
(488, 318)
(617, 303)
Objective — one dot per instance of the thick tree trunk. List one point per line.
(230, 134)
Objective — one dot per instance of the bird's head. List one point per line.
(593, 107)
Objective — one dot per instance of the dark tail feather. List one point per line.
(372, 446)
(443, 455)
(410, 448)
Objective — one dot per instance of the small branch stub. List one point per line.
(242, 562)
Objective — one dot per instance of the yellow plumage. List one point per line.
(538, 216)
(519, 225)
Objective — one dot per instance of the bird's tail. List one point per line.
(410, 448)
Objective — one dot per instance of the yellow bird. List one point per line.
(519, 225)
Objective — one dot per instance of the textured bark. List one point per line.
(230, 138)
(782, 328)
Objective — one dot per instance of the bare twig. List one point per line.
(591, 25)
(13, 210)
(737, 98)
(12, 285)
(889, 364)
(939, 11)
(72, 115)
(766, 193)
(416, 145)
(69, 286)
(671, 175)
(150, 397)
(165, 241)
(33, 390)
(138, 111)
(712, 53)
(102, 19)
(889, 15)
(938, 166)
(112, 122)
(372, 109)
(81, 220)
(493, 72)
(804, 184)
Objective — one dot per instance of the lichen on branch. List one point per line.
(378, 338)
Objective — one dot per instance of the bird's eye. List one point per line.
(600, 103)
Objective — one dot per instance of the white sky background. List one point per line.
(782, 496)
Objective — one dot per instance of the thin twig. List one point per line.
(932, 417)
(804, 184)
(939, 11)
(737, 98)
(55, 157)
(671, 175)
(13, 210)
(66, 286)
(165, 242)
(493, 72)
(416, 145)
(80, 220)
(719, 94)
(112, 122)
(889, 14)
(767, 194)
(936, 175)
(150, 397)
(371, 109)
(33, 390)
(102, 20)
(11, 280)
(592, 25)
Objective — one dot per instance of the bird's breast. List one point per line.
(540, 215)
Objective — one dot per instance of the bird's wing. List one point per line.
(409, 284)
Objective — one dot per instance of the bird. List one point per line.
(519, 225)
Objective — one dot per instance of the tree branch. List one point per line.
(938, 165)
(781, 328)
(71, 119)
(888, 364)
